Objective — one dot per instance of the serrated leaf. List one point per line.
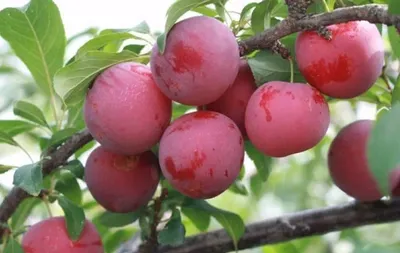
(15, 127)
(5, 168)
(74, 217)
(13, 246)
(60, 136)
(112, 220)
(30, 112)
(232, 222)
(267, 66)
(239, 188)
(6, 138)
(76, 168)
(201, 219)
(174, 12)
(69, 187)
(394, 7)
(382, 148)
(30, 178)
(261, 161)
(22, 213)
(36, 35)
(394, 39)
(102, 40)
(72, 81)
(173, 233)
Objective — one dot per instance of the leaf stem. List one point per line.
(291, 70)
(26, 152)
(47, 205)
(327, 9)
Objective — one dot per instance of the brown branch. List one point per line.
(294, 226)
(54, 160)
(374, 13)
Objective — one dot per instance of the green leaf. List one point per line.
(61, 136)
(382, 148)
(134, 48)
(394, 7)
(245, 12)
(15, 127)
(239, 188)
(5, 168)
(173, 233)
(75, 167)
(174, 12)
(72, 81)
(144, 227)
(113, 220)
(394, 38)
(112, 241)
(261, 16)
(13, 246)
(75, 117)
(74, 216)
(142, 27)
(100, 41)
(256, 184)
(36, 35)
(205, 11)
(22, 213)
(396, 92)
(267, 66)
(232, 222)
(261, 161)
(6, 138)
(30, 178)
(69, 187)
(201, 219)
(30, 112)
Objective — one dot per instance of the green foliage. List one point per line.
(13, 246)
(74, 217)
(30, 112)
(111, 220)
(174, 232)
(261, 161)
(30, 178)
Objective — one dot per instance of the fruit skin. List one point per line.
(121, 183)
(346, 66)
(50, 236)
(125, 111)
(234, 101)
(286, 118)
(200, 61)
(348, 164)
(201, 154)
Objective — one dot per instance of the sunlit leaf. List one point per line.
(30, 178)
(30, 112)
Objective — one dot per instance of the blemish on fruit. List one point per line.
(178, 174)
(226, 173)
(240, 140)
(158, 70)
(289, 93)
(205, 115)
(156, 117)
(126, 163)
(267, 94)
(198, 160)
(185, 58)
(318, 97)
(211, 172)
(231, 126)
(182, 127)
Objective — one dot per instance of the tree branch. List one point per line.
(374, 13)
(294, 226)
(55, 159)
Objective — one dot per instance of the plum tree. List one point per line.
(125, 111)
(348, 164)
(286, 118)
(201, 153)
(50, 236)
(234, 101)
(345, 66)
(121, 183)
(196, 68)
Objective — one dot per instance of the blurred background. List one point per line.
(296, 182)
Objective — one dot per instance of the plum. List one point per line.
(200, 61)
(125, 111)
(234, 101)
(346, 66)
(121, 183)
(348, 164)
(286, 118)
(50, 236)
(201, 154)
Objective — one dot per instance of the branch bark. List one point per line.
(294, 226)
(52, 162)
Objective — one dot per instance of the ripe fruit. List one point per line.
(346, 66)
(50, 236)
(286, 118)
(201, 154)
(348, 164)
(234, 101)
(125, 111)
(200, 61)
(121, 183)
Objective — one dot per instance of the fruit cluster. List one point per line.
(129, 107)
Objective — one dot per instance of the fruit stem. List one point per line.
(291, 70)
(325, 6)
